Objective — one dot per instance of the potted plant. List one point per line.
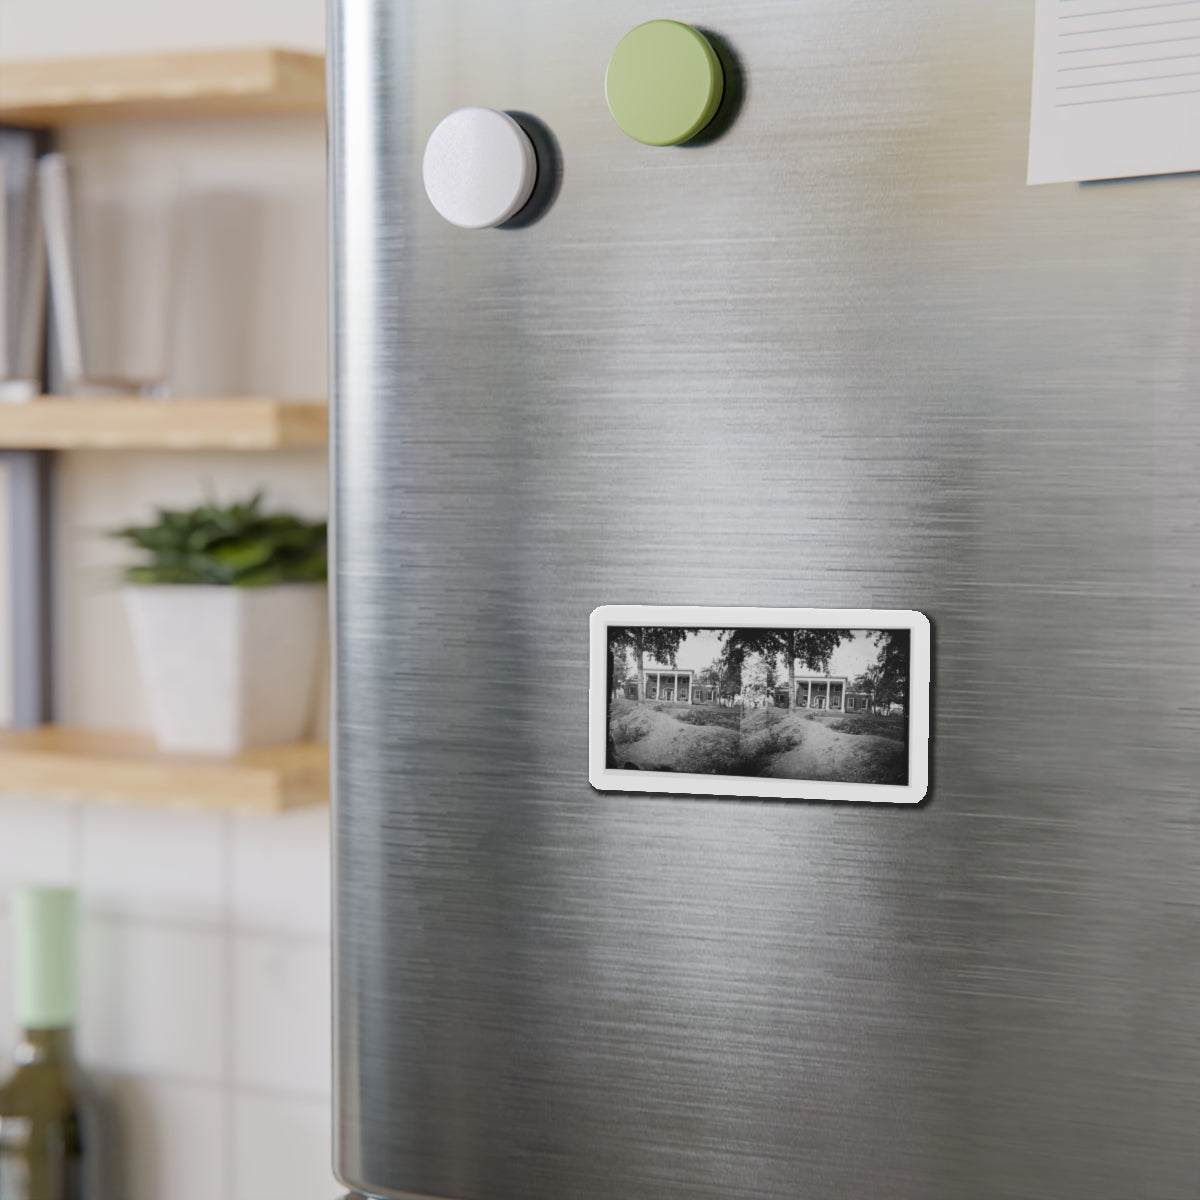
(228, 622)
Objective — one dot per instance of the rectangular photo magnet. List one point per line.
(769, 703)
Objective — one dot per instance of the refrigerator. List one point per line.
(832, 353)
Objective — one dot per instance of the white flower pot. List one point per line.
(227, 668)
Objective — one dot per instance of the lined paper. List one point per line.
(1116, 89)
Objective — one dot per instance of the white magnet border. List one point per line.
(608, 779)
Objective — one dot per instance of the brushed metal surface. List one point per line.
(839, 357)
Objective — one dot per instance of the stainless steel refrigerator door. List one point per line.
(840, 356)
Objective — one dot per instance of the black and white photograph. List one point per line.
(786, 703)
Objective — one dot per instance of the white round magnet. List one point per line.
(479, 168)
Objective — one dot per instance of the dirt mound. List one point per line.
(655, 741)
(630, 726)
(779, 743)
(824, 754)
(765, 736)
(758, 719)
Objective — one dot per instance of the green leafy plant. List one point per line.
(237, 546)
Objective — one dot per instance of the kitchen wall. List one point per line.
(206, 936)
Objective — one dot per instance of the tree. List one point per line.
(662, 644)
(620, 672)
(892, 667)
(731, 680)
(758, 677)
(726, 677)
(710, 677)
(813, 647)
(868, 682)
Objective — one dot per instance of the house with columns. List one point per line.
(667, 684)
(830, 692)
(819, 692)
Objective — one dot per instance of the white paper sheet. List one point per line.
(1116, 89)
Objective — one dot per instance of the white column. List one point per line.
(809, 705)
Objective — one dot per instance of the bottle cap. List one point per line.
(44, 928)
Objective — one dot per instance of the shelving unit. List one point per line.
(227, 423)
(144, 87)
(43, 759)
(80, 764)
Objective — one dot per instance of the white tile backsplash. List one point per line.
(154, 864)
(154, 1000)
(281, 872)
(281, 1014)
(282, 1150)
(38, 840)
(205, 977)
(171, 1142)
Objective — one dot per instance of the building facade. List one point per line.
(822, 692)
(668, 686)
(819, 692)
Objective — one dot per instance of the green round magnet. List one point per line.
(664, 83)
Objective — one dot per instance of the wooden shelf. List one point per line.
(229, 423)
(215, 83)
(77, 764)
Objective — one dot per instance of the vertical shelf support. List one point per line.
(30, 538)
(30, 580)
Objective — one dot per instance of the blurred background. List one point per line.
(204, 953)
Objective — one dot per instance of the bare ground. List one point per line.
(821, 752)
(655, 741)
(772, 742)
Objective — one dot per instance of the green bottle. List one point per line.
(42, 1138)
